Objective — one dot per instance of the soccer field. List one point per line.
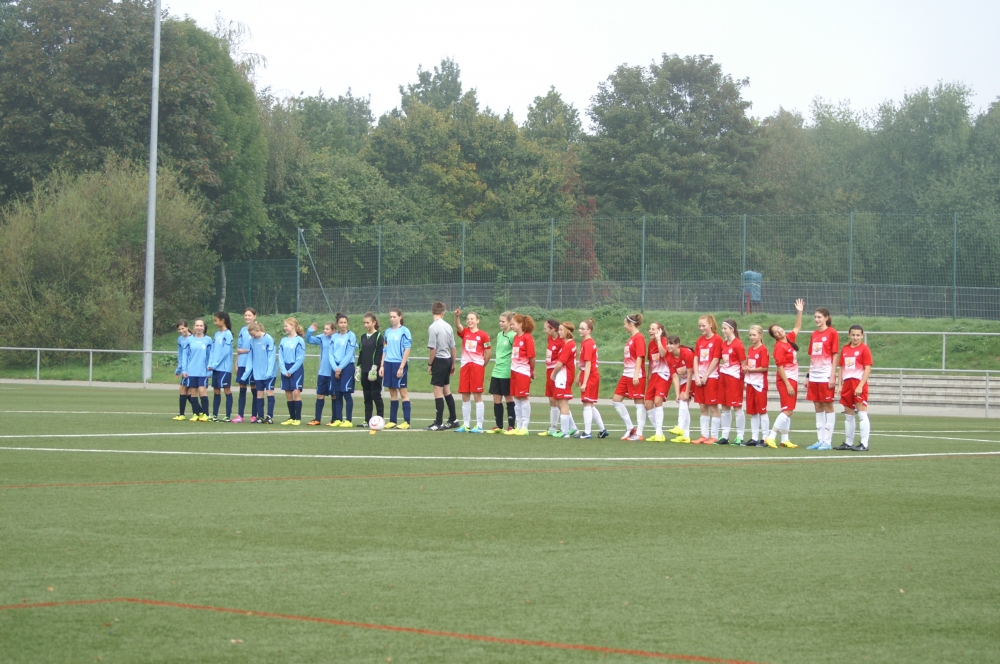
(130, 537)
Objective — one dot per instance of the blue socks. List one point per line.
(406, 412)
(183, 404)
(256, 408)
(393, 410)
(216, 402)
(319, 409)
(338, 407)
(349, 400)
(243, 400)
(204, 405)
(194, 405)
(270, 406)
(229, 405)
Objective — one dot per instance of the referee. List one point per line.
(441, 343)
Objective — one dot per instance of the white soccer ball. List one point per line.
(376, 423)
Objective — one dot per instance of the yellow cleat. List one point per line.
(336, 423)
(522, 432)
(680, 439)
(789, 444)
(347, 424)
(372, 432)
(194, 418)
(203, 418)
(180, 418)
(404, 426)
(390, 425)
(296, 423)
(511, 432)
(287, 422)
(547, 432)
(677, 431)
(770, 443)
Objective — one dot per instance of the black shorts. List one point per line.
(441, 372)
(500, 386)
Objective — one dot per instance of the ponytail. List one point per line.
(826, 313)
(732, 324)
(635, 319)
(710, 319)
(788, 341)
(526, 322)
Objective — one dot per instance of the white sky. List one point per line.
(792, 50)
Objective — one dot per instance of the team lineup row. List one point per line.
(725, 378)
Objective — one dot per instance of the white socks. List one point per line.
(765, 425)
(831, 419)
(525, 413)
(640, 417)
(849, 429)
(554, 415)
(658, 419)
(466, 413)
(727, 423)
(741, 423)
(754, 426)
(623, 413)
(783, 423)
(705, 421)
(588, 417)
(716, 421)
(479, 414)
(598, 420)
(820, 426)
(684, 418)
(866, 428)
(565, 423)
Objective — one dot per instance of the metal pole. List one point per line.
(642, 297)
(987, 394)
(378, 287)
(944, 352)
(154, 117)
(463, 263)
(850, 270)
(38, 366)
(90, 371)
(743, 266)
(311, 262)
(900, 391)
(298, 270)
(250, 283)
(954, 267)
(552, 249)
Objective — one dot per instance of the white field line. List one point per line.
(491, 458)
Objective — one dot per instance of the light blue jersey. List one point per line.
(199, 349)
(397, 340)
(261, 364)
(182, 343)
(243, 343)
(222, 352)
(342, 349)
(325, 368)
(291, 354)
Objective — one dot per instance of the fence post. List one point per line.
(642, 297)
(378, 287)
(850, 270)
(900, 391)
(552, 249)
(954, 266)
(298, 270)
(90, 370)
(463, 262)
(38, 366)
(944, 351)
(987, 394)
(743, 264)
(250, 283)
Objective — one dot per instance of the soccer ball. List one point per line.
(376, 423)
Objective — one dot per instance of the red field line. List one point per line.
(385, 628)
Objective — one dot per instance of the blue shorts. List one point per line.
(222, 379)
(263, 385)
(324, 386)
(239, 372)
(346, 381)
(196, 381)
(389, 379)
(293, 382)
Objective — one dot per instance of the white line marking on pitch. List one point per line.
(493, 458)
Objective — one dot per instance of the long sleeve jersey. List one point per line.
(261, 365)
(291, 354)
(342, 350)
(222, 352)
(199, 349)
(324, 342)
(182, 343)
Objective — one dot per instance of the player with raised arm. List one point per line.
(855, 369)
(786, 365)
(324, 375)
(342, 350)
(475, 356)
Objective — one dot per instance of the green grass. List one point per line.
(677, 549)
(916, 352)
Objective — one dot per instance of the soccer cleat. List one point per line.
(585, 436)
(510, 432)
(843, 447)
(194, 418)
(635, 437)
(287, 422)
(372, 432)
(237, 420)
(710, 441)
(268, 420)
(347, 424)
(314, 423)
(390, 425)
(699, 441)
(656, 438)
(203, 418)
(476, 430)
(495, 430)
(450, 424)
(522, 432)
(738, 442)
(253, 419)
(226, 420)
(559, 434)
(628, 434)
(722, 441)
(677, 431)
(436, 427)
(824, 447)
(680, 439)
(180, 418)
(770, 442)
(214, 418)
(572, 433)
(404, 426)
(604, 434)
(335, 423)
(296, 423)
(462, 429)
(547, 432)
(751, 443)
(815, 446)
(789, 444)
(859, 448)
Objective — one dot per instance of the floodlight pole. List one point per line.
(154, 117)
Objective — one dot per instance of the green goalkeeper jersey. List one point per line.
(503, 347)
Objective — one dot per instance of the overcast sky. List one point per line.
(511, 52)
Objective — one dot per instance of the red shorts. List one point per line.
(550, 387)
(520, 384)
(756, 400)
(564, 393)
(658, 386)
(787, 402)
(732, 391)
(589, 392)
(709, 393)
(626, 389)
(821, 392)
(847, 396)
(470, 378)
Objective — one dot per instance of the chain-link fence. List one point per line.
(859, 264)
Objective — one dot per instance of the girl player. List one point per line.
(475, 355)
(199, 350)
(554, 345)
(731, 381)
(681, 361)
(659, 379)
(823, 359)
(855, 368)
(261, 370)
(221, 364)
(342, 360)
(522, 372)
(242, 353)
(182, 340)
(590, 381)
(707, 392)
(500, 378)
(755, 370)
(291, 358)
(563, 375)
(395, 368)
(324, 378)
(786, 365)
(632, 384)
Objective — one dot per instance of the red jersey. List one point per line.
(474, 345)
(854, 360)
(552, 351)
(567, 355)
(786, 357)
(588, 353)
(757, 359)
(657, 361)
(733, 355)
(685, 359)
(635, 352)
(707, 349)
(822, 347)
(522, 354)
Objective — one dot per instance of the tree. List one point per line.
(552, 122)
(672, 138)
